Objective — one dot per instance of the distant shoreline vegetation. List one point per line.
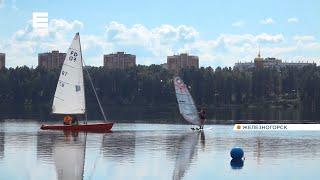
(31, 90)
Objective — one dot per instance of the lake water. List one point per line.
(155, 151)
(170, 114)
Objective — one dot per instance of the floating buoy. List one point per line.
(236, 153)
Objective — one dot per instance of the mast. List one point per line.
(85, 109)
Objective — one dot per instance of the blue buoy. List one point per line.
(236, 153)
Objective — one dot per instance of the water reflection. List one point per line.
(203, 140)
(119, 146)
(69, 155)
(186, 151)
(45, 143)
(66, 150)
(148, 151)
(236, 163)
(156, 114)
(2, 134)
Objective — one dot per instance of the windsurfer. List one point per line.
(202, 114)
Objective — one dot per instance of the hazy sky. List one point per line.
(219, 32)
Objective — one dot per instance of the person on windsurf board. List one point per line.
(202, 115)
(187, 106)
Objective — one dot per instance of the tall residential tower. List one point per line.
(183, 60)
(51, 60)
(2, 60)
(119, 60)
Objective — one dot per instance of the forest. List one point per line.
(152, 86)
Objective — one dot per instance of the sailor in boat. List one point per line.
(202, 115)
(67, 120)
(70, 120)
(75, 121)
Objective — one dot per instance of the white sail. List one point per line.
(69, 96)
(186, 104)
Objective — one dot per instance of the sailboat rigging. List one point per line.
(69, 96)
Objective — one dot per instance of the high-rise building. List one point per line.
(119, 60)
(269, 62)
(51, 60)
(2, 60)
(177, 62)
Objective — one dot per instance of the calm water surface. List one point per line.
(155, 151)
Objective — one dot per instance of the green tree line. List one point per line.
(153, 86)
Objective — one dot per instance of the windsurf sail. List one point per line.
(69, 96)
(186, 104)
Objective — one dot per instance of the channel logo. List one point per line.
(40, 23)
(276, 127)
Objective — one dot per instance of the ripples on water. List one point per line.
(154, 151)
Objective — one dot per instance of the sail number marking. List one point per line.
(73, 56)
(61, 83)
(64, 73)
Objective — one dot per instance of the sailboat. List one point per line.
(69, 96)
(186, 104)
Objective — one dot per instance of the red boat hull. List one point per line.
(97, 127)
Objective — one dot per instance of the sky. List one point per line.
(220, 32)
